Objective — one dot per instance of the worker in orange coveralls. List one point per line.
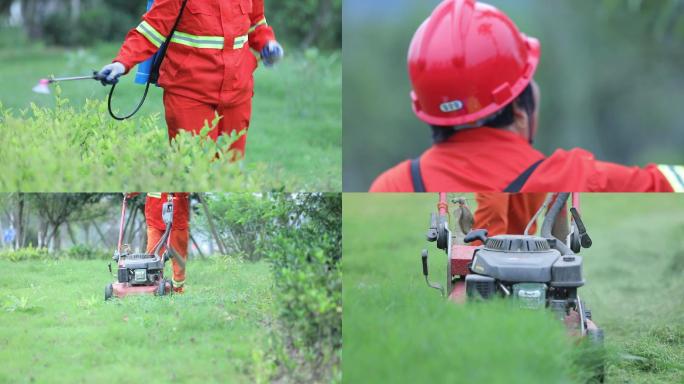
(208, 68)
(472, 71)
(180, 229)
(506, 213)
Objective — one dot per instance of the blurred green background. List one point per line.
(610, 74)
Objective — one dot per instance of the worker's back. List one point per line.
(488, 159)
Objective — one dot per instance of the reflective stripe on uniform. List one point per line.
(259, 23)
(211, 42)
(239, 42)
(204, 42)
(674, 175)
(150, 33)
(156, 195)
(178, 284)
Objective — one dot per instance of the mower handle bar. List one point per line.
(550, 219)
(165, 239)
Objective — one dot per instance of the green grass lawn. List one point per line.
(296, 124)
(56, 327)
(396, 329)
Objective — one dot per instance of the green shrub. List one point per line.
(86, 150)
(85, 252)
(76, 252)
(305, 259)
(300, 235)
(243, 221)
(23, 254)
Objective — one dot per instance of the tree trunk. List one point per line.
(131, 224)
(75, 9)
(197, 247)
(323, 17)
(56, 239)
(86, 233)
(210, 221)
(19, 222)
(30, 10)
(102, 236)
(43, 233)
(70, 231)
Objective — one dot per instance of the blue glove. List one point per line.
(110, 73)
(272, 53)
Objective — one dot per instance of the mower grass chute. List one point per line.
(141, 273)
(538, 272)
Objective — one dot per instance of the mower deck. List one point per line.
(125, 289)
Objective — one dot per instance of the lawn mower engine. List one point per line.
(528, 269)
(139, 269)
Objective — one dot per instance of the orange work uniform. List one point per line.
(208, 66)
(506, 213)
(180, 228)
(490, 160)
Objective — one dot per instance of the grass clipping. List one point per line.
(66, 149)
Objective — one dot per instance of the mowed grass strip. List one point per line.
(56, 327)
(396, 329)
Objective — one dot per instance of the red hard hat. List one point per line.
(467, 61)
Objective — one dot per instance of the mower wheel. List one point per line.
(109, 292)
(161, 289)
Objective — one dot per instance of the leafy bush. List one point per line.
(77, 252)
(85, 252)
(305, 258)
(242, 222)
(300, 234)
(85, 150)
(28, 253)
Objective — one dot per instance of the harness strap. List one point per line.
(515, 186)
(416, 176)
(520, 181)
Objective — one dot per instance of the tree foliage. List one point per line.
(84, 22)
(301, 236)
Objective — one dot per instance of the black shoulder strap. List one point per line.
(520, 181)
(515, 186)
(416, 176)
(161, 53)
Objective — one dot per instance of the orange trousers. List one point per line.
(190, 115)
(179, 242)
(506, 213)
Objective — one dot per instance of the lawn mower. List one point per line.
(141, 273)
(536, 271)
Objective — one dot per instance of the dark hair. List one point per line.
(502, 119)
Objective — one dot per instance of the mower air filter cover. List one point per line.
(567, 272)
(480, 286)
(531, 296)
(516, 258)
